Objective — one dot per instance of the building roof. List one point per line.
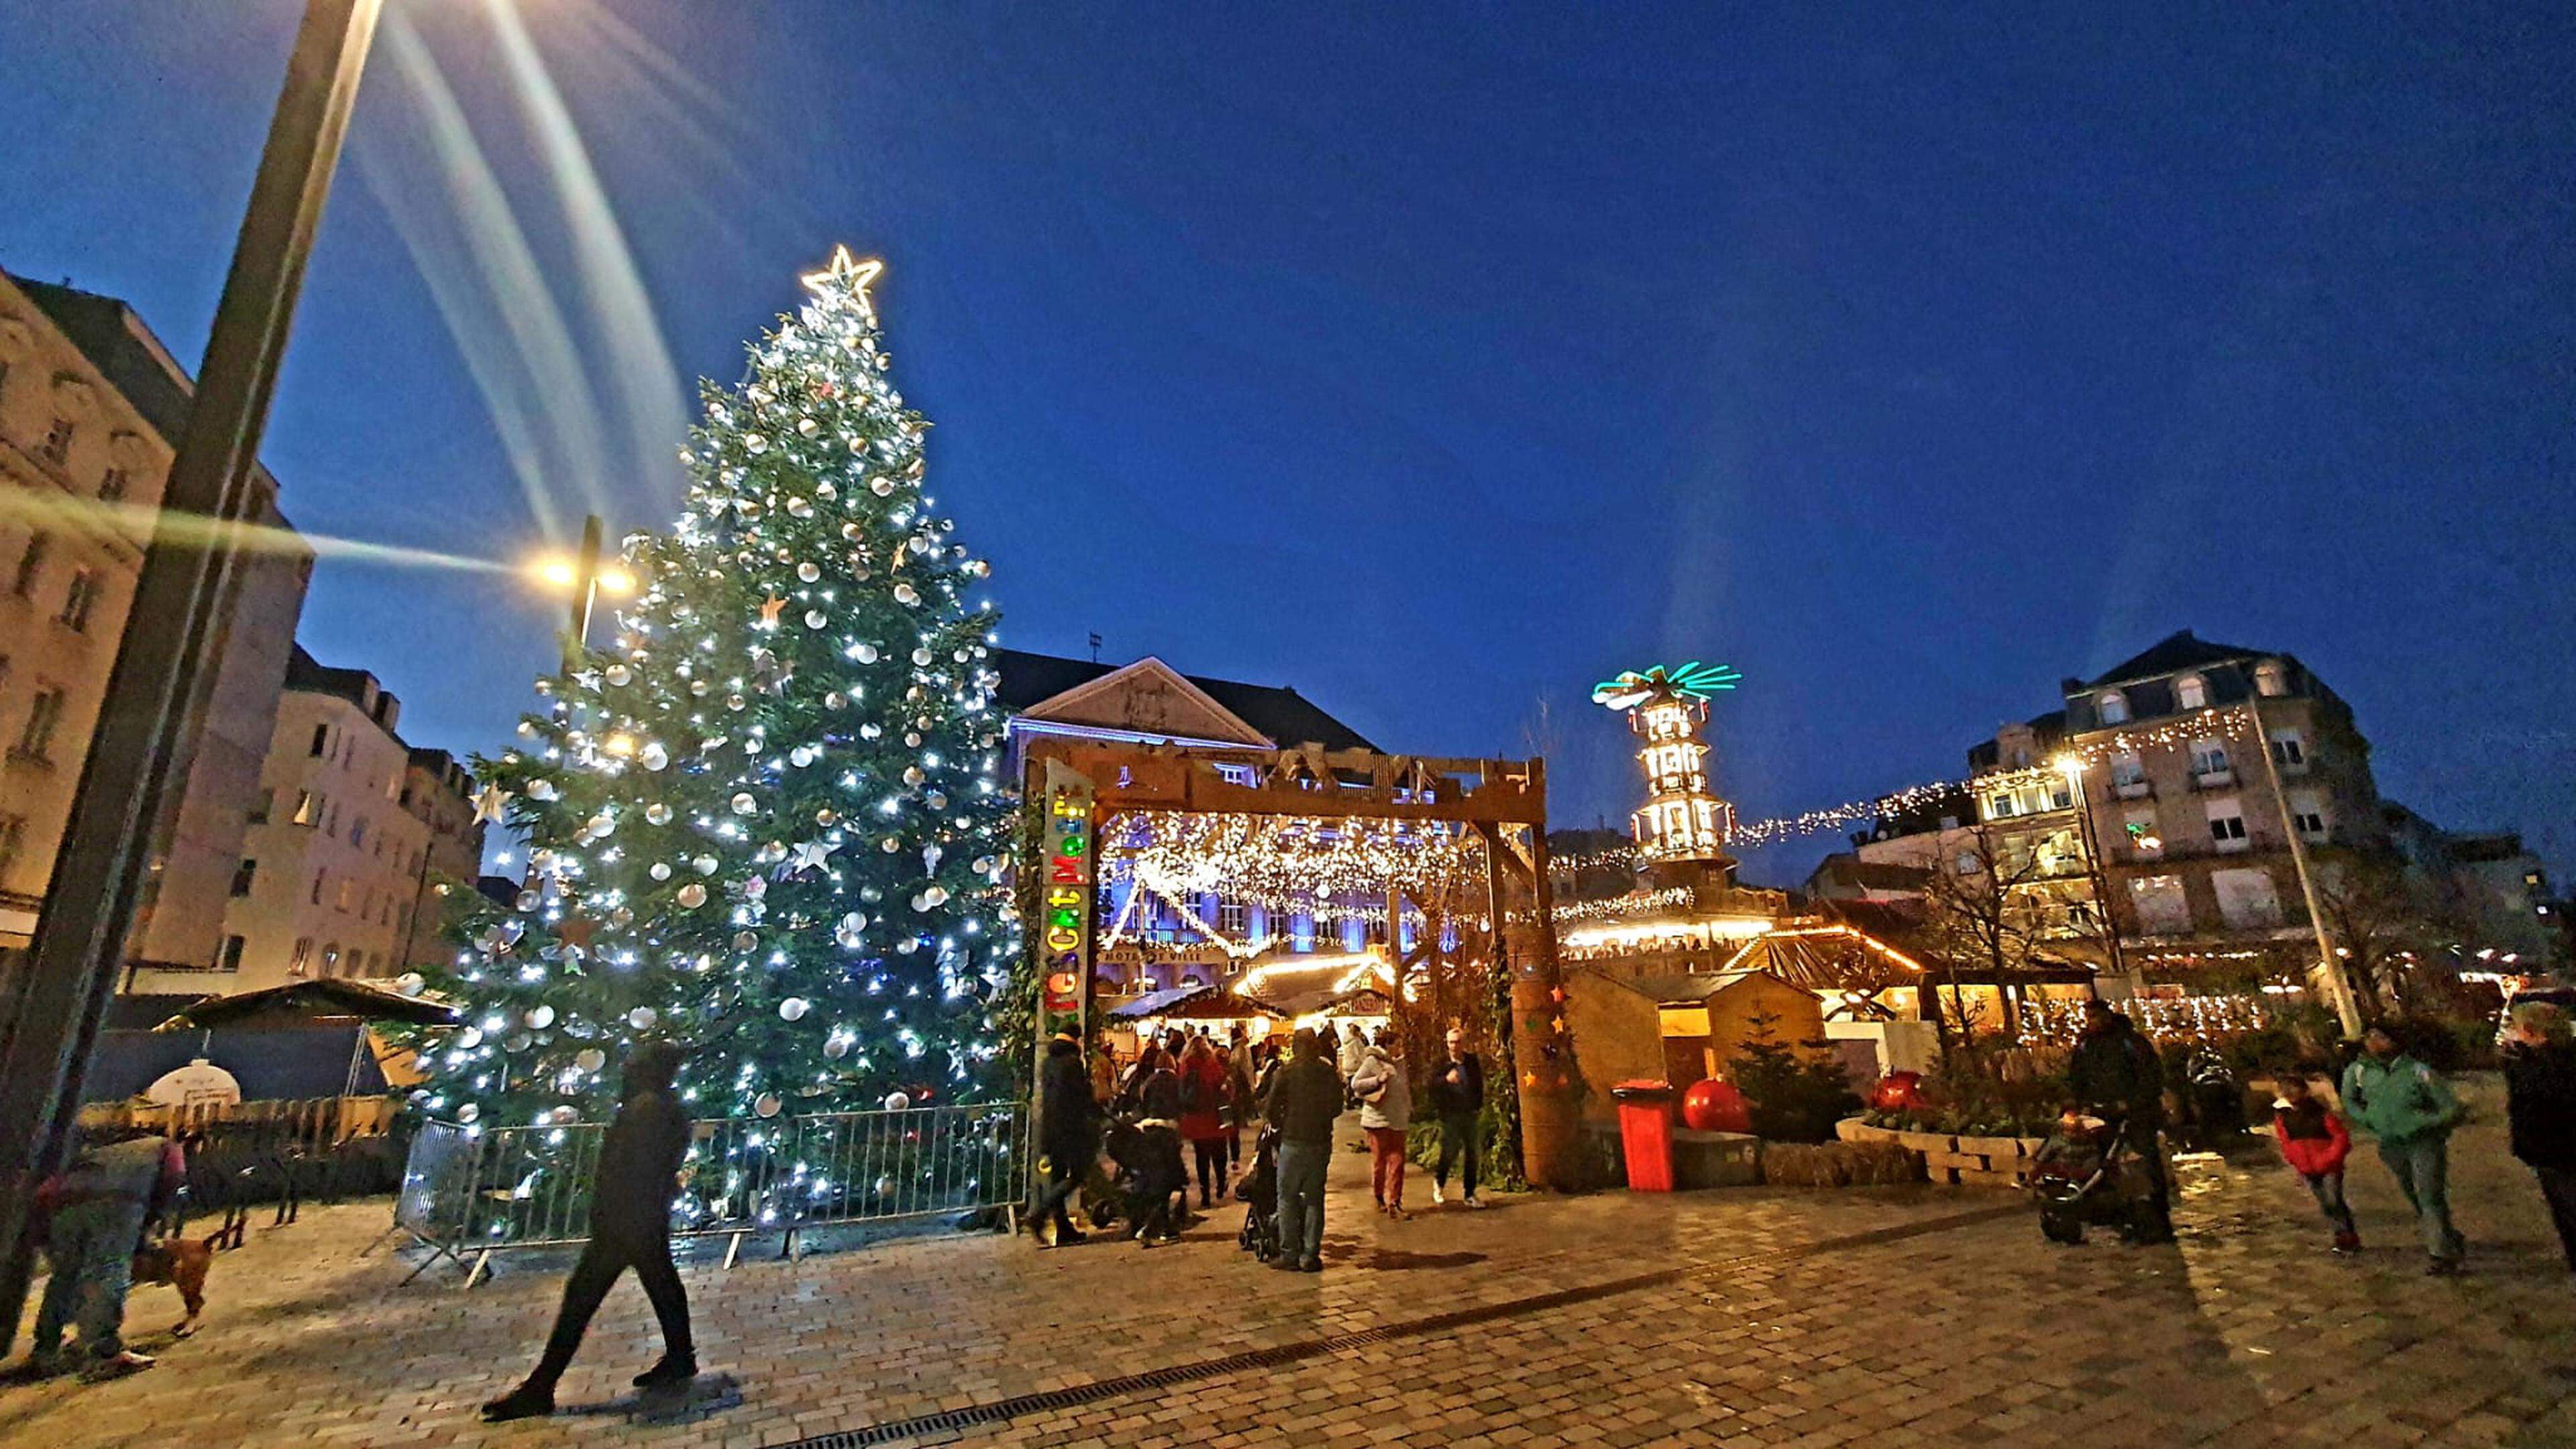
(1278, 711)
(2176, 651)
(126, 354)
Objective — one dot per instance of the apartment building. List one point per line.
(91, 408)
(350, 834)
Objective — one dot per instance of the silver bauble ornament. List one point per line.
(794, 1008)
(654, 756)
(692, 896)
(898, 1102)
(767, 1104)
(744, 804)
(642, 1018)
(704, 865)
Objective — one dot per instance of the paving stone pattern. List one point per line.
(1972, 1331)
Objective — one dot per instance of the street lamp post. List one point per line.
(52, 1005)
(2072, 767)
(2329, 972)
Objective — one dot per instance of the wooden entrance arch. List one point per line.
(1503, 801)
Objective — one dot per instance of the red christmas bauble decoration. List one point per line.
(1897, 1091)
(1714, 1106)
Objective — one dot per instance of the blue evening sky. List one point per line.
(1440, 361)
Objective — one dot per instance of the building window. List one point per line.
(57, 446)
(331, 959)
(315, 897)
(2209, 759)
(331, 822)
(2289, 751)
(2163, 909)
(31, 565)
(111, 486)
(2227, 825)
(2140, 829)
(260, 807)
(349, 890)
(308, 807)
(2112, 707)
(321, 740)
(2247, 899)
(78, 598)
(302, 959)
(2127, 770)
(2001, 806)
(2191, 692)
(2308, 816)
(243, 875)
(13, 841)
(2271, 679)
(44, 713)
(1965, 863)
(230, 957)
(358, 832)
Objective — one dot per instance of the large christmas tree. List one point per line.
(766, 821)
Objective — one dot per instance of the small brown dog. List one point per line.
(181, 1263)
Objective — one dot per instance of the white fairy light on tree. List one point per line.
(801, 656)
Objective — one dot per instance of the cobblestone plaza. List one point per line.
(1920, 1317)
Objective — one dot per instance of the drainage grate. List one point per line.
(1002, 1411)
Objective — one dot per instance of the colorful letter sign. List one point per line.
(1065, 903)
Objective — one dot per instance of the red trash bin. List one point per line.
(1646, 1134)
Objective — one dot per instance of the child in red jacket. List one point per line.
(2316, 1142)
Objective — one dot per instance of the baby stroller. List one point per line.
(2093, 1171)
(1259, 1191)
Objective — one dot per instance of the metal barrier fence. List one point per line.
(469, 1191)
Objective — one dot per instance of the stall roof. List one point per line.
(1193, 1003)
(312, 1001)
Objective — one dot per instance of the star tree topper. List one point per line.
(846, 274)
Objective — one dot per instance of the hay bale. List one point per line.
(1839, 1164)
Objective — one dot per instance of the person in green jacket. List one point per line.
(2411, 1110)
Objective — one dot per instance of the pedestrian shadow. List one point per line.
(705, 1396)
(1354, 1252)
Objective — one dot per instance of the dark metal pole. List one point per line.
(50, 1012)
(585, 593)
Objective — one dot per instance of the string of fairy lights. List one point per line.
(2224, 723)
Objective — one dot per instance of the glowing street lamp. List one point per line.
(584, 578)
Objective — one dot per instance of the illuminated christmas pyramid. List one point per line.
(1683, 827)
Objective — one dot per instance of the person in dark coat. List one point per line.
(1305, 1097)
(2116, 1071)
(630, 1227)
(1068, 1138)
(1157, 1119)
(1458, 1100)
(2540, 1106)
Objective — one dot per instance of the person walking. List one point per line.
(1205, 1109)
(2540, 1107)
(1386, 1110)
(1068, 1138)
(2315, 1142)
(94, 1212)
(2116, 1071)
(630, 1227)
(1304, 1100)
(2411, 1110)
(1458, 1100)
